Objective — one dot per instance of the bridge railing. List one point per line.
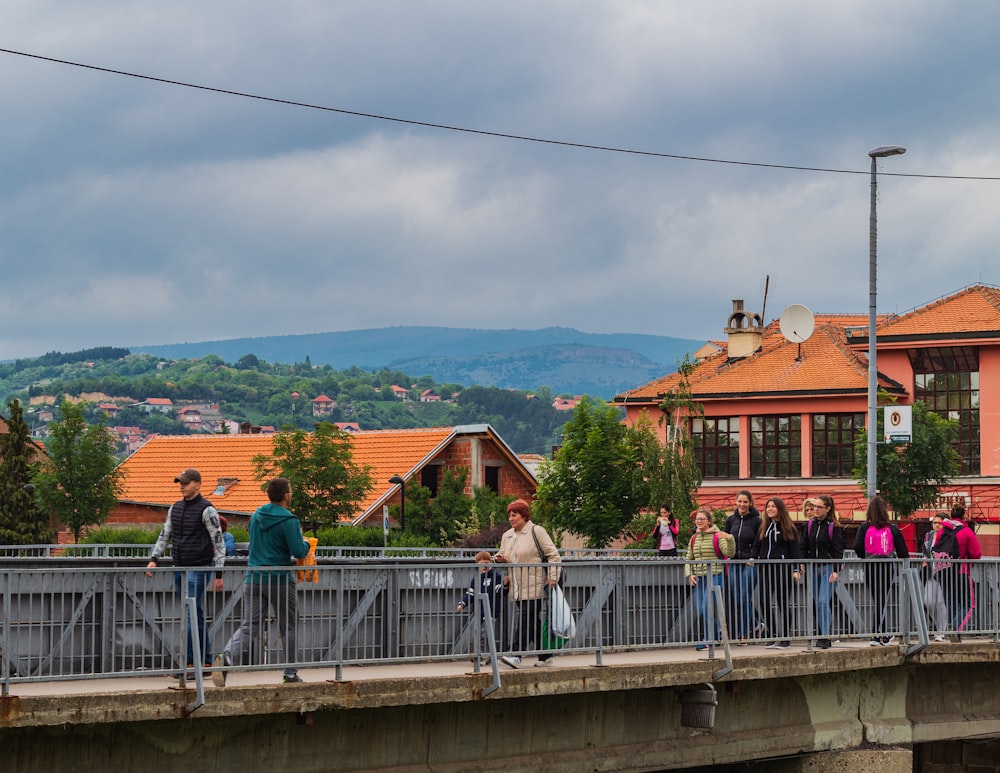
(81, 621)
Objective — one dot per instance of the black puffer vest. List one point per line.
(192, 542)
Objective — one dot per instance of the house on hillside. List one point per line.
(323, 405)
(227, 471)
(162, 404)
(780, 417)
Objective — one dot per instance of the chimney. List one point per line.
(744, 331)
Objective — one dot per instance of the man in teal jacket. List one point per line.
(275, 540)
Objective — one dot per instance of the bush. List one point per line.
(129, 535)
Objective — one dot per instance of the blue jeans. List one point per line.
(196, 580)
(823, 593)
(742, 583)
(702, 600)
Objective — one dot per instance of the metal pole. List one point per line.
(872, 483)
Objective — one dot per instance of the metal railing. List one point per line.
(84, 621)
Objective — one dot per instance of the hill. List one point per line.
(564, 359)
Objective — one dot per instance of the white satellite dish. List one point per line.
(797, 323)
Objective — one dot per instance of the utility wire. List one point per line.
(481, 132)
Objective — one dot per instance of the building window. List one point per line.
(717, 446)
(776, 446)
(491, 478)
(429, 476)
(833, 443)
(946, 381)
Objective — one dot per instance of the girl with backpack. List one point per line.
(938, 572)
(881, 540)
(823, 539)
(777, 540)
(710, 546)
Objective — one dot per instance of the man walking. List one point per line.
(275, 540)
(193, 530)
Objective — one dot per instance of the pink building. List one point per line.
(780, 417)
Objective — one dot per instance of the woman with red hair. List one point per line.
(536, 568)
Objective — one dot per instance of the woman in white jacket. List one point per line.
(523, 544)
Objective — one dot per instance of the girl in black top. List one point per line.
(777, 540)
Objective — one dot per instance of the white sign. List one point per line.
(898, 424)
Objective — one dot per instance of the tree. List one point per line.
(910, 475)
(595, 485)
(326, 483)
(80, 483)
(17, 506)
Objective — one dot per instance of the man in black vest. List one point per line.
(193, 530)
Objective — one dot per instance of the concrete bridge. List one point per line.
(874, 704)
(88, 650)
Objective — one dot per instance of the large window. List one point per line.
(775, 446)
(717, 446)
(947, 382)
(833, 443)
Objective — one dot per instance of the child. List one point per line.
(491, 583)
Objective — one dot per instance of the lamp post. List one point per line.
(872, 483)
(398, 480)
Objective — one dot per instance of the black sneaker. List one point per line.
(823, 644)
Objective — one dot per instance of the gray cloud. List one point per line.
(140, 212)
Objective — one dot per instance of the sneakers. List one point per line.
(546, 663)
(875, 642)
(291, 679)
(218, 677)
(771, 645)
(511, 660)
(823, 644)
(888, 641)
(940, 637)
(783, 645)
(702, 647)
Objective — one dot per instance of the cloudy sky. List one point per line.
(134, 211)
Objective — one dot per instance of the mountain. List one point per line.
(567, 360)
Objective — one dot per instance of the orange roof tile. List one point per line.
(150, 471)
(827, 364)
(975, 309)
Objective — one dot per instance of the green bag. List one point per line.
(550, 642)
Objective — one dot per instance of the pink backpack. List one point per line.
(879, 542)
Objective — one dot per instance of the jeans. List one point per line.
(823, 593)
(196, 580)
(282, 598)
(703, 600)
(742, 584)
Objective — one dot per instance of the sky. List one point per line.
(134, 211)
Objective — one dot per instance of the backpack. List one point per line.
(879, 542)
(715, 545)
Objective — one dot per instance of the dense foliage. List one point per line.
(327, 485)
(909, 476)
(19, 521)
(80, 481)
(272, 394)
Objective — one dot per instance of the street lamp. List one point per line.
(398, 480)
(883, 152)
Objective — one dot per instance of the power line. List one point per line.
(481, 132)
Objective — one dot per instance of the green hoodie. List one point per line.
(275, 540)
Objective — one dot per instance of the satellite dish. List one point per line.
(797, 323)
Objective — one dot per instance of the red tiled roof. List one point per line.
(150, 471)
(827, 364)
(973, 310)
